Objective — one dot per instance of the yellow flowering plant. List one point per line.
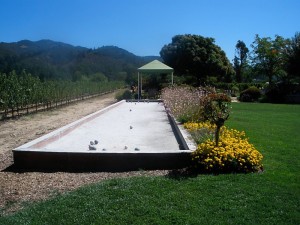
(234, 153)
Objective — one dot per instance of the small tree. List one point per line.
(216, 110)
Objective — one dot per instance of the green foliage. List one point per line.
(200, 134)
(24, 91)
(197, 56)
(251, 94)
(272, 60)
(190, 114)
(216, 109)
(124, 94)
(98, 77)
(293, 65)
(235, 91)
(281, 92)
(240, 60)
(51, 60)
(236, 86)
(269, 56)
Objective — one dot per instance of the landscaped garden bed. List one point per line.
(204, 112)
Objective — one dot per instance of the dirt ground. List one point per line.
(16, 187)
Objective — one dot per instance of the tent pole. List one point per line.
(138, 86)
(172, 79)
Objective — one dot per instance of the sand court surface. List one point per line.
(123, 129)
(130, 126)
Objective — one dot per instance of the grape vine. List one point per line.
(24, 93)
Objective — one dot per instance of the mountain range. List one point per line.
(49, 59)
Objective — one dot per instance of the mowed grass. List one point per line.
(271, 197)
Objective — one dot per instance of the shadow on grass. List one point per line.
(191, 172)
(180, 174)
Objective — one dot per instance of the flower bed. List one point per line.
(234, 153)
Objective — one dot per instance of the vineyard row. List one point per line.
(25, 93)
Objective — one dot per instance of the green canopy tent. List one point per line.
(152, 67)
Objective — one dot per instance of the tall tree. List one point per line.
(240, 60)
(293, 65)
(269, 56)
(197, 56)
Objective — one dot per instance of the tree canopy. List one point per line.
(269, 57)
(293, 65)
(198, 57)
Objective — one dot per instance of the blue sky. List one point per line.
(143, 27)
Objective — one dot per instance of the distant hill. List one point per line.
(56, 60)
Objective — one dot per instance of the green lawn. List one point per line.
(271, 197)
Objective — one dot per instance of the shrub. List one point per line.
(240, 86)
(251, 94)
(124, 94)
(279, 92)
(183, 102)
(235, 91)
(233, 154)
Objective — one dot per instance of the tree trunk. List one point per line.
(217, 135)
(220, 122)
